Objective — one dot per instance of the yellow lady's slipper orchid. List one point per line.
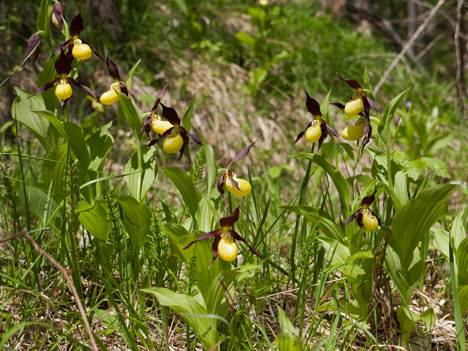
(63, 90)
(173, 143)
(369, 221)
(81, 51)
(354, 107)
(158, 125)
(243, 187)
(353, 133)
(223, 244)
(109, 97)
(365, 218)
(314, 132)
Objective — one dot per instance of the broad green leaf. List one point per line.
(416, 218)
(324, 106)
(337, 253)
(247, 39)
(320, 218)
(77, 143)
(458, 231)
(211, 169)
(110, 321)
(207, 215)
(191, 311)
(429, 318)
(43, 19)
(215, 303)
(187, 119)
(136, 219)
(407, 320)
(338, 179)
(387, 116)
(288, 340)
(462, 262)
(401, 189)
(131, 73)
(441, 241)
(52, 118)
(187, 188)
(22, 110)
(93, 217)
(100, 143)
(463, 296)
(55, 169)
(141, 176)
(130, 112)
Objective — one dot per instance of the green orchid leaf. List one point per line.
(335, 174)
(136, 218)
(192, 312)
(130, 74)
(387, 116)
(463, 296)
(99, 144)
(288, 340)
(93, 217)
(187, 188)
(130, 112)
(187, 118)
(415, 218)
(141, 174)
(77, 144)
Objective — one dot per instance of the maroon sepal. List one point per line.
(368, 200)
(158, 98)
(229, 221)
(242, 154)
(214, 249)
(359, 219)
(301, 134)
(57, 11)
(124, 89)
(195, 138)
(152, 142)
(63, 64)
(338, 104)
(34, 44)
(333, 132)
(84, 87)
(92, 49)
(76, 25)
(378, 219)
(170, 114)
(367, 133)
(367, 106)
(238, 237)
(221, 188)
(351, 83)
(45, 87)
(313, 106)
(112, 67)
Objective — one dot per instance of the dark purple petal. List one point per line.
(368, 200)
(146, 126)
(301, 134)
(230, 220)
(76, 25)
(63, 64)
(366, 105)
(183, 134)
(34, 44)
(84, 87)
(123, 88)
(158, 98)
(233, 181)
(205, 236)
(367, 133)
(312, 105)
(214, 249)
(195, 138)
(338, 104)
(242, 154)
(324, 129)
(372, 103)
(152, 142)
(171, 115)
(112, 67)
(238, 237)
(350, 218)
(45, 87)
(359, 220)
(333, 132)
(351, 83)
(93, 50)
(378, 219)
(221, 188)
(57, 11)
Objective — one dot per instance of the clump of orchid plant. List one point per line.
(364, 216)
(110, 96)
(224, 245)
(80, 49)
(176, 137)
(236, 186)
(359, 105)
(63, 90)
(317, 130)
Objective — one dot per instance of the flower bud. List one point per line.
(173, 144)
(63, 91)
(314, 132)
(81, 51)
(227, 249)
(353, 107)
(244, 186)
(369, 221)
(353, 133)
(160, 126)
(56, 16)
